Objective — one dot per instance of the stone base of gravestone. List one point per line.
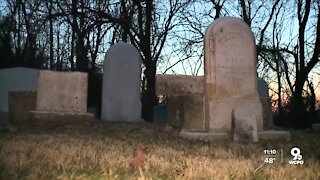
(274, 134)
(46, 119)
(213, 136)
(20, 103)
(205, 136)
(222, 110)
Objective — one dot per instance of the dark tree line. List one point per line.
(74, 34)
(70, 34)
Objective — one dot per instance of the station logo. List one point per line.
(297, 156)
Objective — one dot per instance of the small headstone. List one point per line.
(230, 73)
(121, 84)
(263, 91)
(244, 125)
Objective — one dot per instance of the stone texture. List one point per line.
(47, 119)
(194, 112)
(20, 103)
(272, 134)
(186, 112)
(176, 112)
(263, 92)
(244, 125)
(61, 100)
(205, 136)
(62, 91)
(184, 100)
(214, 136)
(121, 84)
(179, 84)
(230, 73)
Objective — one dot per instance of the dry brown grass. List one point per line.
(105, 153)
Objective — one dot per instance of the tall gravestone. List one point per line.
(121, 84)
(231, 77)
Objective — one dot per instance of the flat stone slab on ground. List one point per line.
(272, 134)
(47, 119)
(202, 135)
(263, 135)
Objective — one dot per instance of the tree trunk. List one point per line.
(81, 54)
(149, 96)
(51, 35)
(280, 110)
(298, 115)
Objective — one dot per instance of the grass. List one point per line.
(104, 152)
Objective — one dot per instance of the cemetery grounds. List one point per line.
(105, 150)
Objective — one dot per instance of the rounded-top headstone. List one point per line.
(230, 57)
(121, 84)
(263, 89)
(230, 72)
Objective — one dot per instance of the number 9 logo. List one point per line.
(295, 152)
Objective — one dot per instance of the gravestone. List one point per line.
(184, 100)
(15, 79)
(230, 74)
(61, 99)
(121, 84)
(263, 91)
(62, 91)
(225, 102)
(244, 125)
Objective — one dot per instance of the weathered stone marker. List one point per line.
(61, 99)
(62, 91)
(225, 102)
(184, 100)
(230, 74)
(121, 84)
(263, 91)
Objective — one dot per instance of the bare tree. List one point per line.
(146, 24)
